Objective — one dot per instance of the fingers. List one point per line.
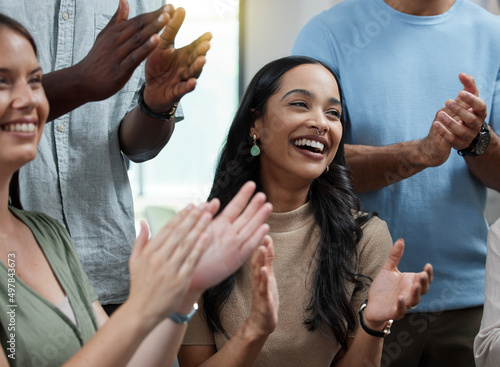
(140, 241)
(172, 27)
(247, 247)
(249, 214)
(213, 206)
(395, 255)
(185, 234)
(468, 83)
(470, 112)
(259, 271)
(238, 203)
(121, 14)
(430, 272)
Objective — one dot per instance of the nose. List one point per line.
(319, 123)
(23, 96)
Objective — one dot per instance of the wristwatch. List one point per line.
(144, 108)
(377, 333)
(179, 318)
(479, 144)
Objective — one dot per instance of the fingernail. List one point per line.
(161, 18)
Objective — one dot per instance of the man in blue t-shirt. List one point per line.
(399, 62)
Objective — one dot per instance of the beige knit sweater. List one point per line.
(295, 236)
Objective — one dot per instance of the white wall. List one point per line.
(270, 28)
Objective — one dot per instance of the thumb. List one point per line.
(141, 240)
(173, 26)
(468, 83)
(395, 255)
(121, 14)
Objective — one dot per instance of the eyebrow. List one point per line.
(7, 70)
(305, 92)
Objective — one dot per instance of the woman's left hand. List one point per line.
(392, 293)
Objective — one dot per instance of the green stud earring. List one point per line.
(255, 151)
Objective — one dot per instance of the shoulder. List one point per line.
(376, 238)
(43, 226)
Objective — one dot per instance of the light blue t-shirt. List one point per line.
(396, 71)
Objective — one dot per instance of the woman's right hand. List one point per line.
(265, 298)
(161, 269)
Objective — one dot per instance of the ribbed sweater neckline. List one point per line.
(289, 221)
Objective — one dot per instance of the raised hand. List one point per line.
(392, 293)
(161, 268)
(235, 233)
(172, 72)
(119, 48)
(265, 298)
(461, 120)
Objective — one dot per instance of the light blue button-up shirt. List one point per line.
(79, 176)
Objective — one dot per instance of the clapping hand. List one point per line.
(265, 298)
(172, 72)
(119, 49)
(461, 120)
(392, 293)
(235, 233)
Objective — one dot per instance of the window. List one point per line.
(183, 171)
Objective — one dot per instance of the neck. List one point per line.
(421, 7)
(285, 196)
(6, 218)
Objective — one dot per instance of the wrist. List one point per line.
(252, 332)
(186, 305)
(371, 327)
(163, 112)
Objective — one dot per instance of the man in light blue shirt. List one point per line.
(398, 62)
(92, 62)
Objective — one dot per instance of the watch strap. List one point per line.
(482, 140)
(368, 330)
(144, 108)
(179, 318)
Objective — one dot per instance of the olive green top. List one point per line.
(34, 330)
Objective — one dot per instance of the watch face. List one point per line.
(482, 144)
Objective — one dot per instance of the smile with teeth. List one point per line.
(312, 145)
(20, 127)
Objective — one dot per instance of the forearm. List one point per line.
(373, 168)
(143, 137)
(240, 351)
(162, 344)
(365, 350)
(65, 89)
(485, 166)
(116, 341)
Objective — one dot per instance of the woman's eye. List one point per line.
(36, 79)
(334, 113)
(298, 104)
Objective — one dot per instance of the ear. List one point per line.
(256, 128)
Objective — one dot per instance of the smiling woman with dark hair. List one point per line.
(287, 136)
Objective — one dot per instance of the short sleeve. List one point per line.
(374, 248)
(316, 40)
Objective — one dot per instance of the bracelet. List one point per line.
(179, 318)
(379, 334)
(144, 108)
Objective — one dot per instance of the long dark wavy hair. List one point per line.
(13, 25)
(335, 206)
